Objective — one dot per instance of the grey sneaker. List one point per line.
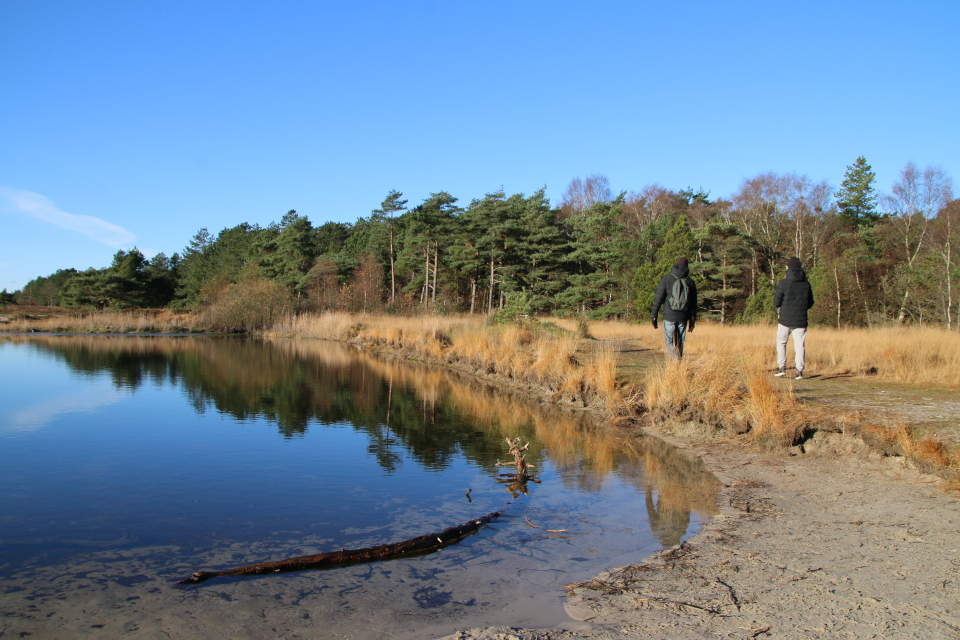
(782, 372)
(799, 375)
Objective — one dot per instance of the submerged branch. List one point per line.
(418, 545)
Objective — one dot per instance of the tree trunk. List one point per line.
(836, 279)
(436, 251)
(902, 316)
(866, 307)
(419, 545)
(723, 296)
(490, 294)
(426, 278)
(393, 278)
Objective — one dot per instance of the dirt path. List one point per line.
(834, 542)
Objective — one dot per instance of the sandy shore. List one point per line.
(834, 542)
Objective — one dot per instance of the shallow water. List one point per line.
(127, 463)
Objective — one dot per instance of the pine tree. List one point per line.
(598, 258)
(391, 205)
(722, 256)
(543, 251)
(856, 198)
(679, 243)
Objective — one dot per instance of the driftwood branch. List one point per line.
(518, 456)
(516, 482)
(413, 546)
(555, 532)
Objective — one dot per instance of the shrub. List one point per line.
(253, 304)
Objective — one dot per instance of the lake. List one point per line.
(127, 463)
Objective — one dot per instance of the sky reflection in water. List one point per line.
(181, 454)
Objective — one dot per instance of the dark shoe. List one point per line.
(781, 373)
(799, 375)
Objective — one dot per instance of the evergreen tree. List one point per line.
(759, 306)
(425, 239)
(496, 222)
(86, 289)
(720, 265)
(391, 205)
(856, 198)
(464, 254)
(46, 290)
(331, 237)
(121, 285)
(679, 243)
(286, 251)
(159, 285)
(597, 257)
(543, 251)
(195, 268)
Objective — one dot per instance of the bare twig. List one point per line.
(680, 603)
(554, 531)
(733, 595)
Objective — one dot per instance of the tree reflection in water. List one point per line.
(430, 414)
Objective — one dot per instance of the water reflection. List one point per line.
(257, 468)
(430, 413)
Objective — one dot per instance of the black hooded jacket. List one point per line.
(666, 283)
(793, 297)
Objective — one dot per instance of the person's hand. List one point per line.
(653, 321)
(690, 328)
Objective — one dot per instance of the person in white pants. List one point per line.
(799, 347)
(793, 297)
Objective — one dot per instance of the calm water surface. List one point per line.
(127, 463)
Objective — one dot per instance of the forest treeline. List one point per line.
(872, 258)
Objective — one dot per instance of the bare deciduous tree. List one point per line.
(946, 234)
(366, 290)
(762, 209)
(582, 194)
(323, 286)
(644, 208)
(914, 200)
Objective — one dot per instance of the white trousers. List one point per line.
(799, 338)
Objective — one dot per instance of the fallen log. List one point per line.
(419, 545)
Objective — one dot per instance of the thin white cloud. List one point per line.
(41, 414)
(42, 208)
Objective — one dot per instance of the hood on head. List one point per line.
(680, 271)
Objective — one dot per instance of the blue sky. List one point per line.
(137, 122)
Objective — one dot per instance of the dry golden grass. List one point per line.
(709, 388)
(927, 356)
(730, 394)
(906, 354)
(525, 354)
(900, 354)
(139, 321)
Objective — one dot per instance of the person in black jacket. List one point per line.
(792, 299)
(677, 313)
